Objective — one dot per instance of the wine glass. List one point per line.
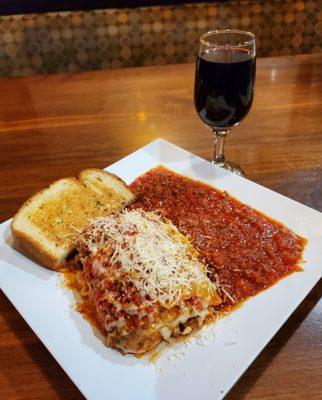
(224, 85)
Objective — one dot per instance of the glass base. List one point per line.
(231, 167)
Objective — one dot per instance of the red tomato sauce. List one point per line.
(245, 251)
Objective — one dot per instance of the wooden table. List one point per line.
(54, 126)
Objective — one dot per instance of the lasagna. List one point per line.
(144, 280)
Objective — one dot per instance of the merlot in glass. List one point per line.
(224, 85)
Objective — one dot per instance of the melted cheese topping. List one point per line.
(161, 261)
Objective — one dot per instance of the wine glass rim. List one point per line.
(225, 31)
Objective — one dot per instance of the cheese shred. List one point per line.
(162, 262)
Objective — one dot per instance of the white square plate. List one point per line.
(212, 361)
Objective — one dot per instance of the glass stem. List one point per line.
(219, 152)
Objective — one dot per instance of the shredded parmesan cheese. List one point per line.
(161, 261)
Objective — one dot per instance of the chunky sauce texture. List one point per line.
(245, 251)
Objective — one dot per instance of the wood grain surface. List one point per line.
(55, 126)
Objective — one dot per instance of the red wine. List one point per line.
(224, 86)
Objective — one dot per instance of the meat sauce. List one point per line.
(83, 304)
(245, 251)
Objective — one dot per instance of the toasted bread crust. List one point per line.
(83, 174)
(32, 247)
(85, 171)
